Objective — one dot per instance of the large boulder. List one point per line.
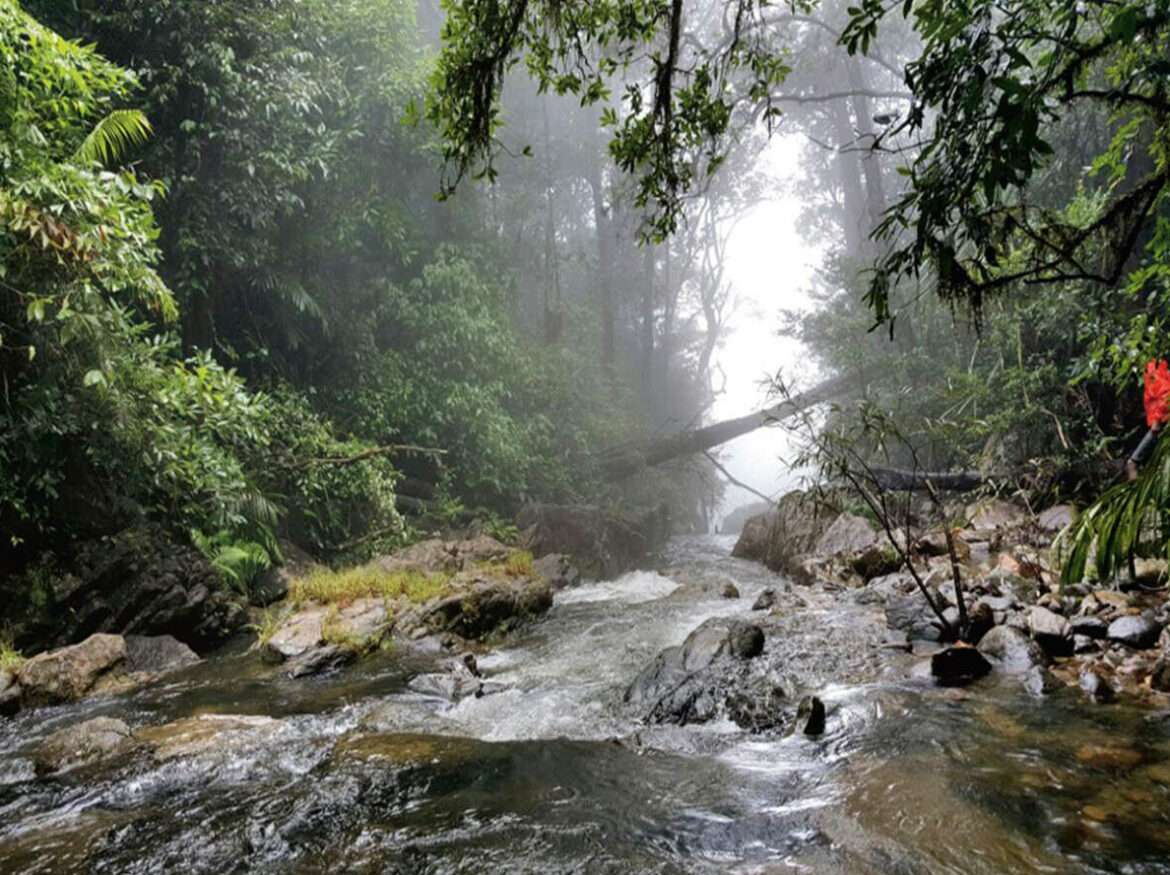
(435, 555)
(700, 679)
(483, 607)
(154, 654)
(601, 543)
(734, 522)
(319, 638)
(82, 744)
(848, 533)
(996, 515)
(781, 538)
(68, 673)
(140, 581)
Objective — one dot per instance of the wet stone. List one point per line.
(764, 600)
(1050, 630)
(1139, 632)
(729, 591)
(82, 744)
(1089, 626)
(810, 716)
(1096, 688)
(958, 666)
(1012, 649)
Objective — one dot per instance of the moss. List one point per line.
(10, 657)
(329, 587)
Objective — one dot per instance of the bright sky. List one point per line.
(769, 266)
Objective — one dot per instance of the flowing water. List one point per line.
(550, 773)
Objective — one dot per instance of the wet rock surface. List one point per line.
(83, 744)
(602, 544)
(69, 673)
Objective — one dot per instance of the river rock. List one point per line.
(320, 638)
(82, 744)
(810, 716)
(1160, 673)
(912, 615)
(155, 654)
(1089, 626)
(484, 607)
(782, 537)
(958, 666)
(1138, 632)
(995, 514)
(1013, 651)
(319, 660)
(1039, 681)
(695, 681)
(1096, 687)
(602, 544)
(1056, 518)
(435, 555)
(765, 600)
(140, 581)
(1050, 630)
(558, 570)
(203, 733)
(849, 533)
(68, 673)
(9, 692)
(729, 591)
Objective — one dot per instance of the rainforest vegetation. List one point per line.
(375, 375)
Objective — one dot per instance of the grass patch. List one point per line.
(270, 620)
(10, 657)
(330, 587)
(515, 564)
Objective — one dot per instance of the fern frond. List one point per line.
(113, 135)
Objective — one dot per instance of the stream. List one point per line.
(551, 772)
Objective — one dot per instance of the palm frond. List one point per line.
(113, 135)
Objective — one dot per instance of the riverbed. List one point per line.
(550, 771)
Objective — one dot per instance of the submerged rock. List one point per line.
(67, 674)
(205, 732)
(82, 744)
(729, 591)
(959, 665)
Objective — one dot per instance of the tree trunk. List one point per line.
(621, 462)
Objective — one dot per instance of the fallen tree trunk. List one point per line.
(623, 462)
(896, 480)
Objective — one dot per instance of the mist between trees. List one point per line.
(234, 308)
